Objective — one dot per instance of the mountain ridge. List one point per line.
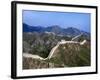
(70, 31)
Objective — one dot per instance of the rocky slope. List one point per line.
(67, 55)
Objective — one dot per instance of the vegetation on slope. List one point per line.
(67, 55)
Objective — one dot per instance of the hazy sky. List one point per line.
(63, 19)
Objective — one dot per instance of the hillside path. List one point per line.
(27, 55)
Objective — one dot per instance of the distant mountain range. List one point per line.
(70, 31)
